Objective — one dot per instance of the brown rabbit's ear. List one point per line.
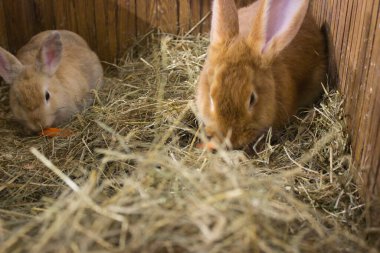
(10, 66)
(50, 54)
(275, 26)
(225, 22)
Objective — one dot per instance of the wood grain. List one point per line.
(61, 17)
(126, 25)
(111, 34)
(20, 17)
(106, 36)
(184, 19)
(3, 29)
(167, 15)
(45, 17)
(205, 11)
(195, 7)
(86, 21)
(142, 24)
(355, 36)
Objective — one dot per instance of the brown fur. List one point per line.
(79, 71)
(283, 82)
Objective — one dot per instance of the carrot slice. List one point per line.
(56, 132)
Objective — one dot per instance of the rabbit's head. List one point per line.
(33, 98)
(236, 94)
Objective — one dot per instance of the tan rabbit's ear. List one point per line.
(49, 56)
(275, 26)
(225, 22)
(10, 66)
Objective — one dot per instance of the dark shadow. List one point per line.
(332, 70)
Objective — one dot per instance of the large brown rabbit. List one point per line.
(51, 78)
(264, 62)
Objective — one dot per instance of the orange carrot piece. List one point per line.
(56, 132)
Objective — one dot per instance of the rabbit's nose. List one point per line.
(209, 133)
(35, 124)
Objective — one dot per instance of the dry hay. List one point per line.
(132, 180)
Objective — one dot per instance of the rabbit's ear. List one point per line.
(10, 66)
(225, 22)
(276, 24)
(49, 56)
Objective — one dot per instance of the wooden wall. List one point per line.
(354, 31)
(110, 26)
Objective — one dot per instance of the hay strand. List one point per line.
(131, 180)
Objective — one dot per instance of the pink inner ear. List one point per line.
(50, 56)
(280, 17)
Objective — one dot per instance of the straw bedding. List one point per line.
(131, 178)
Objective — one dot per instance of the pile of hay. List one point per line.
(132, 180)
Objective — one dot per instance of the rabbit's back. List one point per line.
(305, 62)
(78, 60)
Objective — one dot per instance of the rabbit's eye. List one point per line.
(252, 100)
(47, 96)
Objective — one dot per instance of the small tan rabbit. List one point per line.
(51, 78)
(264, 62)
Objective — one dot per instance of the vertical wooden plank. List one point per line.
(131, 19)
(347, 38)
(355, 33)
(370, 157)
(327, 14)
(85, 21)
(126, 26)
(72, 13)
(141, 17)
(90, 13)
(80, 19)
(357, 88)
(110, 24)
(184, 16)
(152, 13)
(106, 37)
(342, 17)
(357, 52)
(195, 6)
(19, 15)
(3, 28)
(167, 15)
(373, 178)
(61, 21)
(365, 98)
(102, 39)
(66, 14)
(205, 11)
(353, 49)
(146, 16)
(45, 14)
(334, 19)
